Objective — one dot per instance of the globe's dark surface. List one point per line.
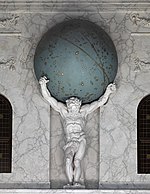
(78, 58)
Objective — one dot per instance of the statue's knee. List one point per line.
(68, 161)
(77, 163)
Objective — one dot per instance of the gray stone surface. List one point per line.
(22, 24)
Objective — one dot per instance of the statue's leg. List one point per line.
(69, 167)
(77, 160)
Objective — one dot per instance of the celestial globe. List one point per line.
(79, 59)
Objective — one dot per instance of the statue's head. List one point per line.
(73, 104)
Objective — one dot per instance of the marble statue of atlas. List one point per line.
(74, 117)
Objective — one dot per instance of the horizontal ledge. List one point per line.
(126, 186)
(72, 6)
(49, 191)
(102, 186)
(140, 34)
(73, 1)
(7, 33)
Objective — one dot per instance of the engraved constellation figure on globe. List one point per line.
(74, 116)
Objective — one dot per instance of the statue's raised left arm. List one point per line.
(89, 108)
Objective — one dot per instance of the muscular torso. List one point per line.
(73, 125)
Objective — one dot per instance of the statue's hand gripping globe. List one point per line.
(78, 58)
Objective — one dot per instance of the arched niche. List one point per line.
(143, 136)
(5, 135)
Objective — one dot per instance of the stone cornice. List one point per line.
(73, 6)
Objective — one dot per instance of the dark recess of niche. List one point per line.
(5, 135)
(143, 136)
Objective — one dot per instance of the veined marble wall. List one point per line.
(22, 24)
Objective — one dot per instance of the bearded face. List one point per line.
(73, 104)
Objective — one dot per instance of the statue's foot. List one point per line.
(67, 186)
(75, 185)
(78, 185)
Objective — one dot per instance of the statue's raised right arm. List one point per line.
(57, 106)
(89, 108)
